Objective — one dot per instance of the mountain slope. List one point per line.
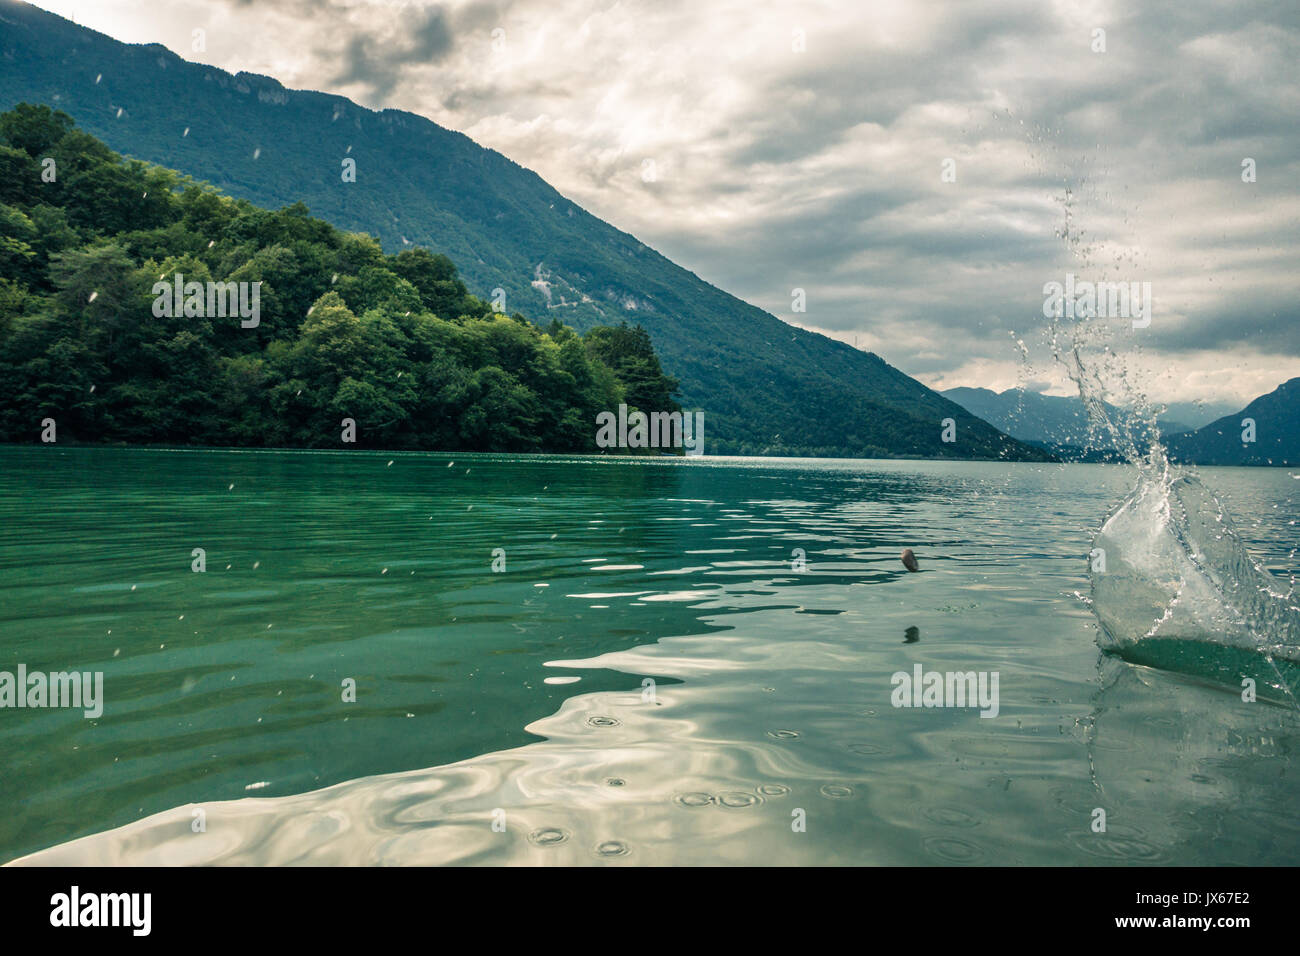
(1277, 433)
(765, 386)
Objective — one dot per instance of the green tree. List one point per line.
(627, 350)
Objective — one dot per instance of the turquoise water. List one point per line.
(769, 702)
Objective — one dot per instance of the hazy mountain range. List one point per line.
(1275, 418)
(1060, 424)
(1033, 416)
(765, 386)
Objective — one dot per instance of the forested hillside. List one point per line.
(395, 343)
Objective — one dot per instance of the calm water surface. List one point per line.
(648, 680)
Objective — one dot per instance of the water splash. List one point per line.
(1173, 585)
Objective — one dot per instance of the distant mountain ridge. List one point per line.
(1272, 420)
(766, 387)
(1047, 419)
(1060, 424)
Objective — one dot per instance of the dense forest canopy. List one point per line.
(394, 343)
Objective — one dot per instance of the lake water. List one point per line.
(648, 680)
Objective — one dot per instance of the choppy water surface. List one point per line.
(520, 698)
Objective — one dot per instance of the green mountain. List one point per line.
(1276, 418)
(765, 387)
(139, 306)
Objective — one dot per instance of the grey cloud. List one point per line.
(378, 59)
(1267, 325)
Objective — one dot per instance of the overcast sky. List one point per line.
(802, 144)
